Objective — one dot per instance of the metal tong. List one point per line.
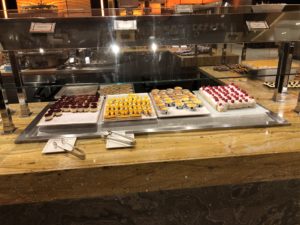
(74, 151)
(124, 138)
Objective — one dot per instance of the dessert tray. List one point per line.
(238, 68)
(115, 89)
(177, 102)
(82, 116)
(264, 64)
(128, 107)
(227, 97)
(71, 90)
(229, 100)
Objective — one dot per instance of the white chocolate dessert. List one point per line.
(227, 97)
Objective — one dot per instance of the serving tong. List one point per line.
(124, 139)
(74, 150)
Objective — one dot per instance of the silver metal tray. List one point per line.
(71, 89)
(217, 122)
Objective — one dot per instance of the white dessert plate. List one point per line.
(258, 110)
(174, 112)
(111, 144)
(69, 118)
(50, 146)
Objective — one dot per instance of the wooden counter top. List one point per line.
(158, 162)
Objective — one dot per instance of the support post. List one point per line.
(283, 71)
(244, 52)
(297, 109)
(224, 54)
(25, 111)
(7, 122)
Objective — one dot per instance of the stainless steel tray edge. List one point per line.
(30, 134)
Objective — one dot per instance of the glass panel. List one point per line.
(212, 46)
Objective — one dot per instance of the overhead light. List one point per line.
(41, 50)
(154, 47)
(115, 48)
(298, 24)
(283, 33)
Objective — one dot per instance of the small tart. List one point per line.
(86, 108)
(73, 108)
(48, 116)
(93, 108)
(164, 110)
(178, 88)
(57, 112)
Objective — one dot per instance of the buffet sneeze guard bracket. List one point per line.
(283, 71)
(7, 122)
(297, 109)
(21, 93)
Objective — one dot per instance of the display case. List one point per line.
(124, 62)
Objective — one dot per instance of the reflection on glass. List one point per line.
(154, 47)
(115, 48)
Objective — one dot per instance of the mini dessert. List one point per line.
(179, 105)
(48, 116)
(86, 108)
(57, 112)
(93, 108)
(163, 110)
(66, 108)
(191, 106)
(73, 108)
(197, 102)
(155, 91)
(80, 108)
(227, 97)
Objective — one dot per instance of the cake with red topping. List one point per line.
(227, 97)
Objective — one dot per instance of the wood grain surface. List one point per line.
(158, 162)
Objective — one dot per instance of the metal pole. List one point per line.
(25, 111)
(297, 109)
(7, 123)
(283, 70)
(224, 53)
(102, 7)
(67, 6)
(244, 52)
(4, 9)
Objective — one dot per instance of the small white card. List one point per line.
(184, 8)
(125, 25)
(257, 25)
(42, 27)
(111, 144)
(66, 143)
